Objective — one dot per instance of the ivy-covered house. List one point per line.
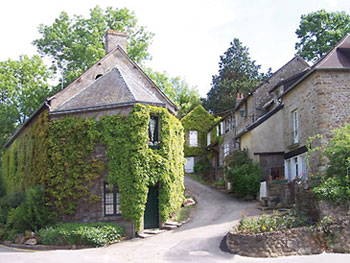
(195, 124)
(108, 147)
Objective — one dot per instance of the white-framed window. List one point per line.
(111, 200)
(295, 133)
(218, 129)
(296, 167)
(303, 168)
(153, 132)
(221, 127)
(226, 150)
(193, 138)
(208, 138)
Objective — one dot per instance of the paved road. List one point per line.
(197, 241)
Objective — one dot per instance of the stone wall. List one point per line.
(298, 241)
(322, 101)
(305, 201)
(333, 91)
(282, 190)
(338, 212)
(304, 99)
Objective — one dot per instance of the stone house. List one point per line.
(314, 102)
(299, 102)
(135, 164)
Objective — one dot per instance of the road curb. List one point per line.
(8, 244)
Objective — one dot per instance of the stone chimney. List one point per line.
(114, 38)
(239, 97)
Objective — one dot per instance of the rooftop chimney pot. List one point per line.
(113, 39)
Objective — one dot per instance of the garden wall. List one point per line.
(298, 241)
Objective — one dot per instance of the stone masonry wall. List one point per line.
(297, 241)
(333, 238)
(333, 91)
(322, 101)
(304, 99)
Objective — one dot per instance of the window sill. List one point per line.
(154, 147)
(114, 215)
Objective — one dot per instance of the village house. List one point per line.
(108, 147)
(195, 124)
(241, 128)
(315, 102)
(276, 121)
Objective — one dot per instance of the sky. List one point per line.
(190, 35)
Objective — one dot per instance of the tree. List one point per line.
(75, 44)
(319, 31)
(23, 87)
(237, 74)
(177, 89)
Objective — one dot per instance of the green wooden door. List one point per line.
(151, 218)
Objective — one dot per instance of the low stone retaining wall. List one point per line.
(298, 241)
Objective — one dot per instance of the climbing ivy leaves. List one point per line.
(61, 155)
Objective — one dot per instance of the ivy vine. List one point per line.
(59, 154)
(197, 120)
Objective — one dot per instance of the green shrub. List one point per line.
(336, 186)
(89, 234)
(7, 202)
(243, 174)
(32, 214)
(338, 152)
(202, 165)
(269, 223)
(333, 189)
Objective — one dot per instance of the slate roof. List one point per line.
(337, 58)
(290, 81)
(115, 87)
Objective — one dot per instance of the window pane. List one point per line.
(193, 138)
(109, 209)
(109, 198)
(153, 129)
